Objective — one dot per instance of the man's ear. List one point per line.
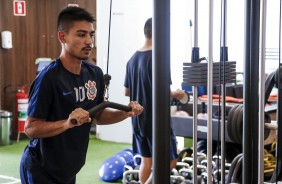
(61, 36)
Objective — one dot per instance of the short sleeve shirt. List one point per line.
(54, 94)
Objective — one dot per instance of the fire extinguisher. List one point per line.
(21, 108)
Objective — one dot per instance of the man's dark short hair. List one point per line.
(148, 28)
(71, 14)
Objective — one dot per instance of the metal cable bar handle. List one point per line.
(108, 77)
(102, 106)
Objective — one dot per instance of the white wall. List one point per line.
(128, 18)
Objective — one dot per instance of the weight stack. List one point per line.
(196, 74)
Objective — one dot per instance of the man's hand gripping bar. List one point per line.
(102, 106)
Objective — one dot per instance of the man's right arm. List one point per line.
(40, 128)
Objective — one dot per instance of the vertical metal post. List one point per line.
(161, 91)
(195, 97)
(278, 170)
(250, 116)
(195, 133)
(262, 91)
(223, 22)
(210, 85)
(246, 90)
(196, 23)
(223, 59)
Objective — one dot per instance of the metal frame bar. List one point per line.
(262, 90)
(251, 69)
(195, 99)
(223, 90)
(161, 91)
(210, 85)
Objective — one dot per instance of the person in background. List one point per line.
(138, 86)
(62, 92)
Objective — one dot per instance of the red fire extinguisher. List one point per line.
(21, 109)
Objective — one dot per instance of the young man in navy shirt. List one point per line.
(61, 92)
(138, 86)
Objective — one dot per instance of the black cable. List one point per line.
(107, 77)
(109, 38)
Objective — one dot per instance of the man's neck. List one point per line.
(147, 45)
(71, 64)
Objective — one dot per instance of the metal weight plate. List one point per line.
(239, 124)
(237, 171)
(233, 166)
(230, 120)
(267, 119)
(234, 124)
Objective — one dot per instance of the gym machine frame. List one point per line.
(214, 75)
(254, 87)
(161, 91)
(161, 24)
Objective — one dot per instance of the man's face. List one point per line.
(78, 41)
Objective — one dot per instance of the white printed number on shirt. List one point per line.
(79, 94)
(91, 91)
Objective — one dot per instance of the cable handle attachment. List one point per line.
(107, 79)
(102, 106)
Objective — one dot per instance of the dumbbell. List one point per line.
(129, 176)
(200, 169)
(188, 160)
(137, 161)
(185, 152)
(204, 178)
(188, 175)
(174, 172)
(200, 156)
(217, 175)
(205, 163)
(176, 179)
(180, 165)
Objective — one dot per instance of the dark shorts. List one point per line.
(143, 145)
(32, 173)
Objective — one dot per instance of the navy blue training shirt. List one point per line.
(138, 79)
(54, 94)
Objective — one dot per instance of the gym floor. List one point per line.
(98, 152)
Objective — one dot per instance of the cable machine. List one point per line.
(253, 108)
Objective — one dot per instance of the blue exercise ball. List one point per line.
(128, 157)
(112, 169)
(128, 149)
